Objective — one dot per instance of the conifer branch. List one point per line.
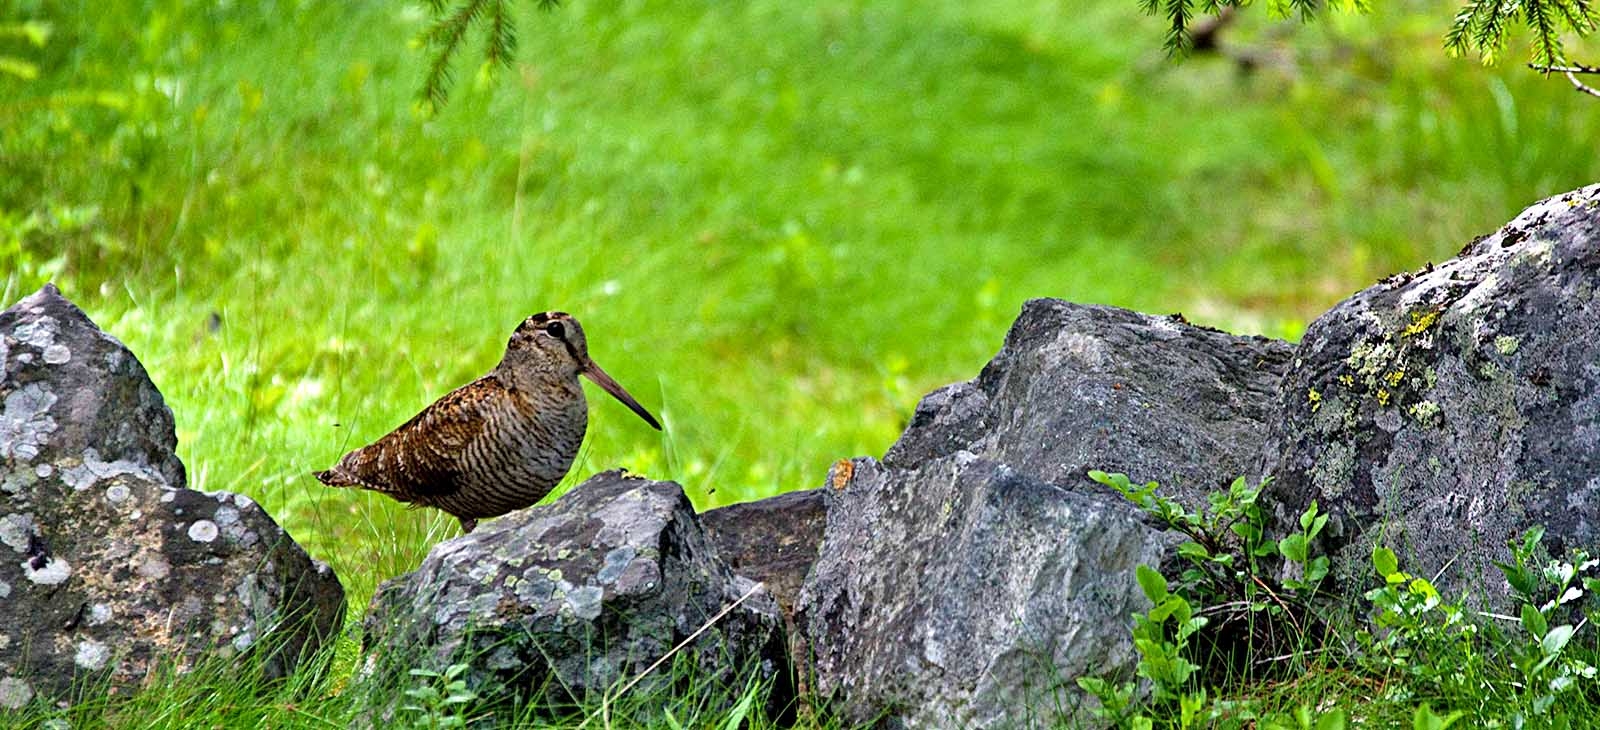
(453, 20)
(1571, 71)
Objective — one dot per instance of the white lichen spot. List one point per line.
(203, 531)
(99, 614)
(5, 589)
(91, 654)
(55, 571)
(585, 602)
(117, 493)
(40, 333)
(243, 641)
(91, 470)
(168, 496)
(14, 693)
(57, 354)
(16, 531)
(243, 502)
(154, 568)
(226, 516)
(44, 470)
(14, 482)
(26, 422)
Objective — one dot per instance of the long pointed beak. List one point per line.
(600, 378)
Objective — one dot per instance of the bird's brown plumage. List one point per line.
(498, 443)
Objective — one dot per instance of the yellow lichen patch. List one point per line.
(1420, 322)
(1383, 396)
(1314, 398)
(1393, 378)
(1347, 380)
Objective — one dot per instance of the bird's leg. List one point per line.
(467, 523)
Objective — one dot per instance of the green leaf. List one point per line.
(1534, 621)
(1293, 547)
(1194, 551)
(1530, 540)
(1424, 719)
(1333, 720)
(736, 717)
(1317, 525)
(1384, 561)
(1307, 516)
(1152, 582)
(1556, 640)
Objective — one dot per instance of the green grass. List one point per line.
(780, 223)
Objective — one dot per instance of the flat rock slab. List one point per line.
(771, 540)
(1080, 387)
(964, 594)
(1446, 411)
(113, 565)
(563, 602)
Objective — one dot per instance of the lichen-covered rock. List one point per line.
(964, 594)
(565, 601)
(108, 564)
(1079, 387)
(771, 540)
(1448, 410)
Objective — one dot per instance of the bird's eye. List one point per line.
(556, 330)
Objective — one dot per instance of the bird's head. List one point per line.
(552, 345)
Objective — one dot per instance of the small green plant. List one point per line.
(442, 700)
(1550, 597)
(1224, 579)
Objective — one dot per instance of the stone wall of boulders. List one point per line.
(965, 580)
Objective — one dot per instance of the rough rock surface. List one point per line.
(963, 594)
(772, 540)
(969, 579)
(1080, 387)
(1448, 410)
(107, 563)
(573, 598)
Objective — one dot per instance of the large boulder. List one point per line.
(113, 564)
(970, 578)
(1444, 412)
(564, 602)
(965, 594)
(1079, 387)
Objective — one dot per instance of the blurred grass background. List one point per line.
(780, 223)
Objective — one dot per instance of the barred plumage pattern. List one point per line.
(497, 444)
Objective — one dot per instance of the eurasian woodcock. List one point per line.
(498, 443)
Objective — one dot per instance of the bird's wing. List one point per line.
(423, 458)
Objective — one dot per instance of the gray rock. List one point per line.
(772, 540)
(562, 602)
(974, 575)
(107, 563)
(1444, 412)
(964, 594)
(1078, 387)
